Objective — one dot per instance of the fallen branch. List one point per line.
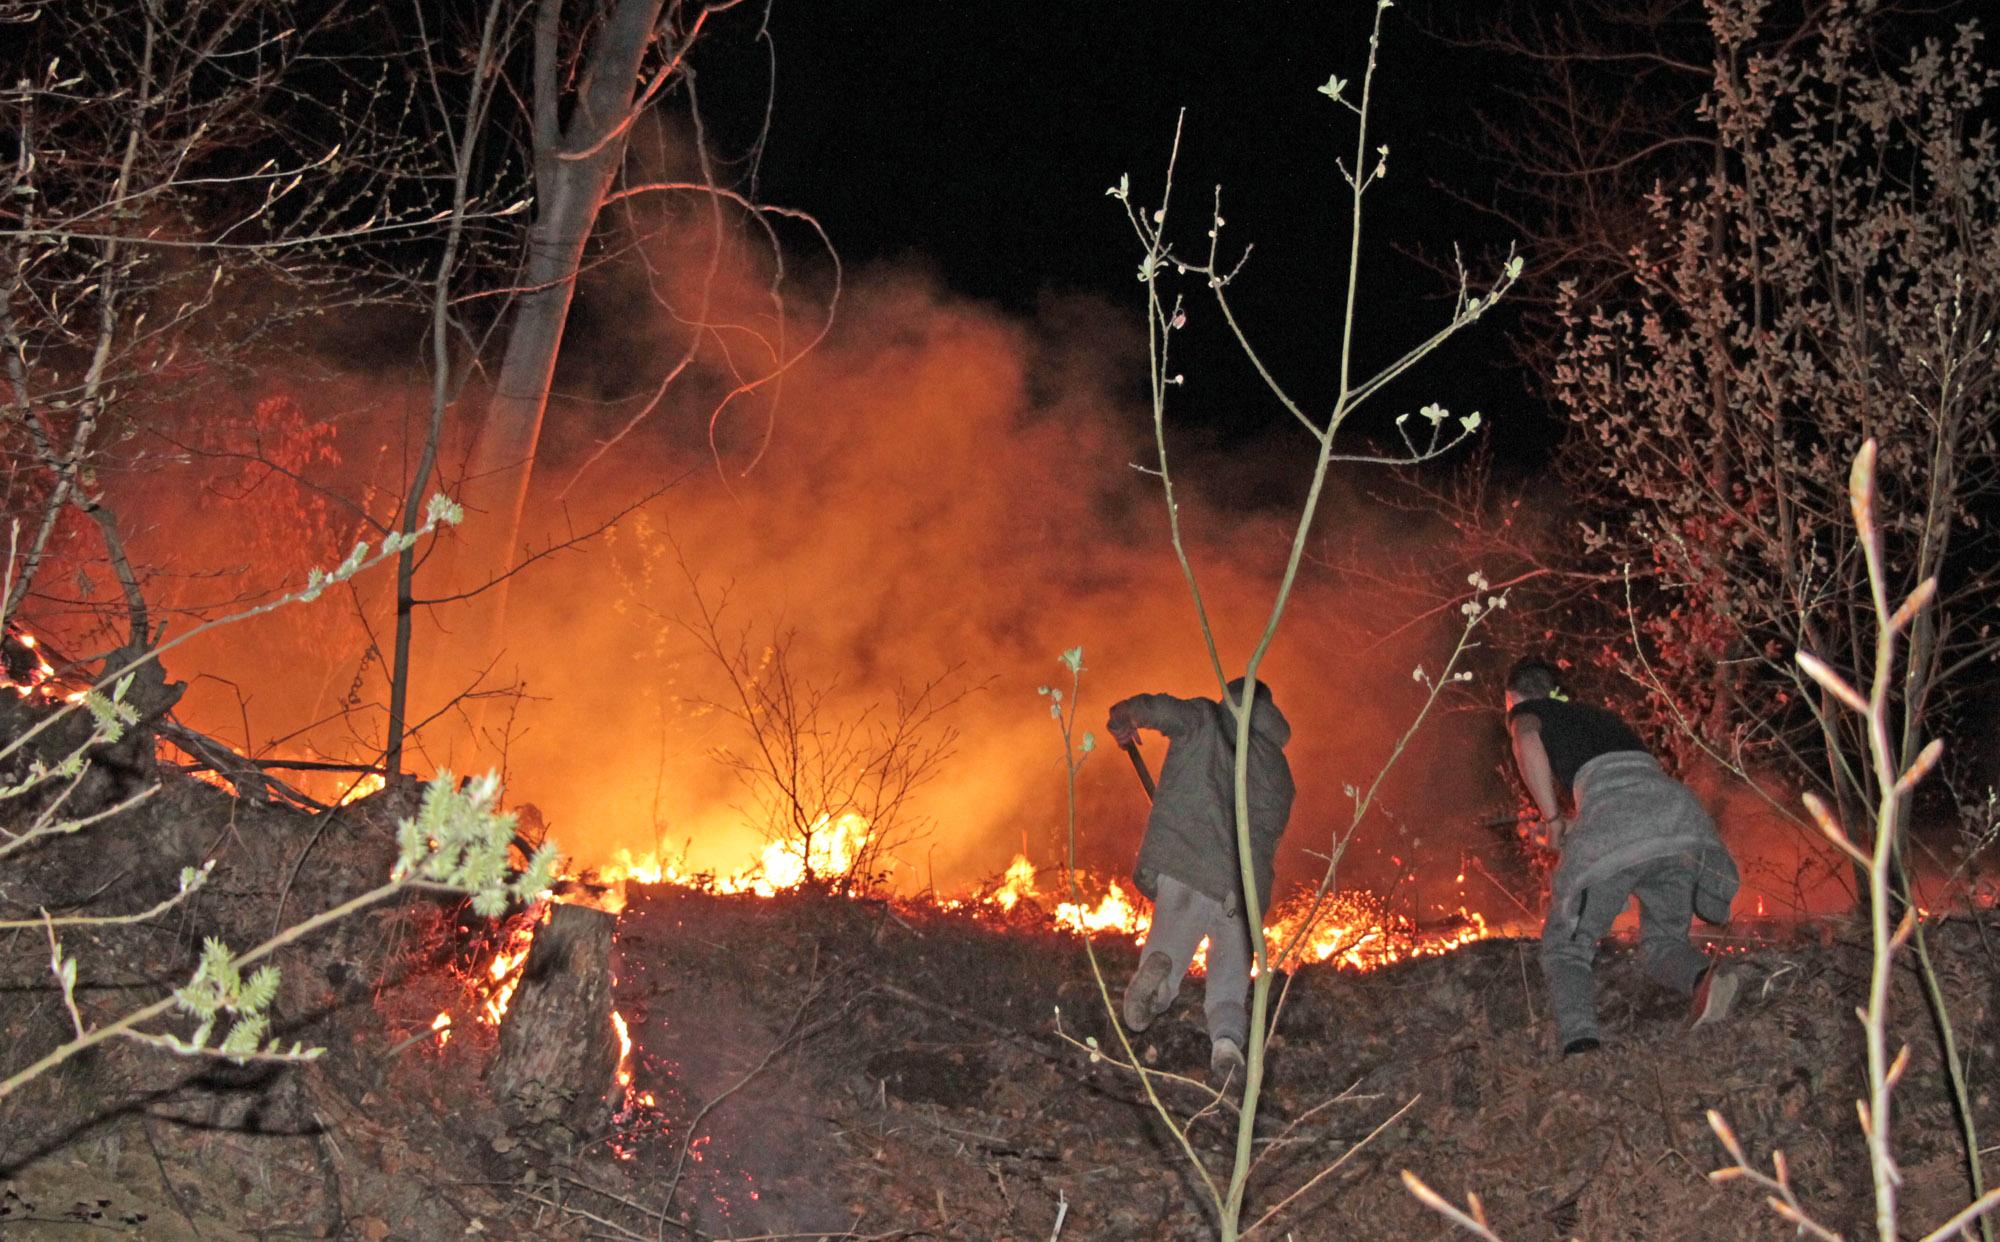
(246, 774)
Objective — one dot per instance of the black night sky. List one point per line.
(979, 140)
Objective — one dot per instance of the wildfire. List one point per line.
(1353, 931)
(828, 850)
(1350, 931)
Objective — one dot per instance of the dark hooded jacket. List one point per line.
(1191, 833)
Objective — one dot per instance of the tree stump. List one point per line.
(558, 1055)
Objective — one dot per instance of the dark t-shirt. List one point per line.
(1575, 733)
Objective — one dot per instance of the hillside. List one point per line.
(855, 1068)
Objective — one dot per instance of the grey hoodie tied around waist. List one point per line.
(1630, 812)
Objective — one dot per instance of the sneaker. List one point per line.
(1225, 1061)
(1583, 1043)
(1141, 995)
(1714, 993)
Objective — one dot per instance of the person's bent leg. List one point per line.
(1575, 923)
(1179, 922)
(1226, 995)
(1666, 908)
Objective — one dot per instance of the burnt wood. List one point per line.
(558, 1054)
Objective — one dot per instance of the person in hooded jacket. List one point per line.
(1188, 864)
(1637, 832)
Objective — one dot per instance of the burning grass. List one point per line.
(1354, 931)
(1349, 930)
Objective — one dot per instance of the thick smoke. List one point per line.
(938, 491)
(949, 493)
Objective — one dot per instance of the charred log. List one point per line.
(558, 1055)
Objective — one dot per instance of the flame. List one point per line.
(624, 1049)
(1353, 931)
(40, 678)
(502, 976)
(370, 783)
(829, 850)
(1114, 912)
(442, 1025)
(1019, 882)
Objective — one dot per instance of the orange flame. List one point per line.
(370, 783)
(1114, 912)
(624, 1049)
(502, 976)
(1018, 883)
(828, 851)
(1351, 930)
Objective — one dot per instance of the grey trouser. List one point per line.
(1181, 917)
(1577, 921)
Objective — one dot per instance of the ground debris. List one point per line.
(796, 1070)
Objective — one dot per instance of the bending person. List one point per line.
(1636, 832)
(1188, 863)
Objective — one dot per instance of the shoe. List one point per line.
(1141, 1004)
(1714, 993)
(1225, 1062)
(1584, 1043)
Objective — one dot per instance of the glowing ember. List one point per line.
(33, 678)
(442, 1025)
(28, 673)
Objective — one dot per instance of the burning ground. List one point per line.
(805, 1063)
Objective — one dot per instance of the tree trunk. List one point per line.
(558, 1055)
(575, 165)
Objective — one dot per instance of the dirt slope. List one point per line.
(942, 1099)
(825, 1067)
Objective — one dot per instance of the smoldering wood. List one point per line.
(558, 1054)
(251, 777)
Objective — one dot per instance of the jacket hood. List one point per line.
(1266, 721)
